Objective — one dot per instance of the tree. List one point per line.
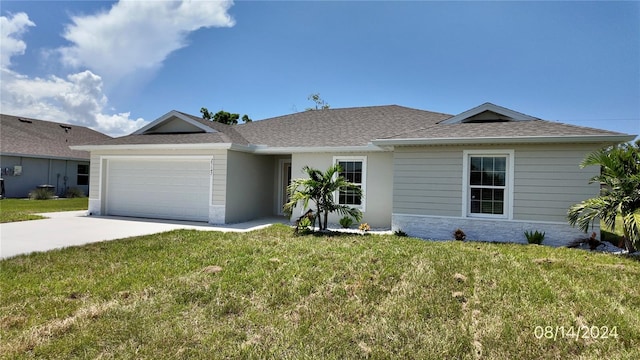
(320, 187)
(223, 116)
(320, 104)
(620, 195)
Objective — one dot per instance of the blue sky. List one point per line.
(115, 66)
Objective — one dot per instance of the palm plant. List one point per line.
(320, 188)
(620, 194)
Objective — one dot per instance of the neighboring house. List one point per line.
(490, 171)
(36, 152)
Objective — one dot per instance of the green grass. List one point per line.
(278, 296)
(23, 209)
(613, 236)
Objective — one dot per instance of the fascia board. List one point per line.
(203, 146)
(35, 156)
(508, 140)
(263, 149)
(516, 116)
(170, 115)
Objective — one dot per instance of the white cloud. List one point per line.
(130, 37)
(11, 29)
(78, 99)
(138, 35)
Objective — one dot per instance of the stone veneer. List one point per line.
(442, 228)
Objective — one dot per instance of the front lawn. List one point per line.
(24, 209)
(269, 294)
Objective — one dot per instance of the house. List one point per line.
(490, 171)
(36, 152)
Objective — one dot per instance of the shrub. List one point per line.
(364, 227)
(346, 222)
(534, 237)
(41, 194)
(459, 235)
(400, 233)
(74, 193)
(304, 223)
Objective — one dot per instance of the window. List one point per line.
(354, 171)
(83, 175)
(487, 190)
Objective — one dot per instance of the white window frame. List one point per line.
(508, 191)
(362, 207)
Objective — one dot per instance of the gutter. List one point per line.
(254, 149)
(613, 139)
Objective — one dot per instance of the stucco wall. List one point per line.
(38, 171)
(379, 182)
(249, 186)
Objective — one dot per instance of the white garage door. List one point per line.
(163, 189)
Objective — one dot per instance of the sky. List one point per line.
(114, 66)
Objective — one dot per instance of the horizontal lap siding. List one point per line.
(427, 181)
(548, 180)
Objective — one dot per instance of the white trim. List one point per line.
(362, 158)
(483, 219)
(171, 114)
(275, 150)
(280, 184)
(106, 158)
(509, 184)
(514, 115)
(165, 146)
(605, 139)
(159, 157)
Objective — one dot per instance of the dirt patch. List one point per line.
(459, 277)
(212, 269)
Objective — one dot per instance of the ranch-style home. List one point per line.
(36, 152)
(490, 171)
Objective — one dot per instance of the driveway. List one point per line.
(74, 228)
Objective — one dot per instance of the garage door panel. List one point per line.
(166, 189)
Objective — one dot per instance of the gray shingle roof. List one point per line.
(337, 127)
(531, 128)
(38, 138)
(356, 127)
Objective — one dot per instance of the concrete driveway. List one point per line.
(74, 228)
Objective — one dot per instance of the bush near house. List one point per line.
(271, 294)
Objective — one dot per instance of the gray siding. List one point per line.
(547, 180)
(427, 181)
(62, 174)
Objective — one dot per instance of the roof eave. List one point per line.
(604, 139)
(198, 146)
(39, 156)
(275, 150)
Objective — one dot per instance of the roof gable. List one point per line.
(488, 112)
(174, 122)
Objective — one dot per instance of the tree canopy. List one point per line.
(320, 104)
(223, 116)
(620, 195)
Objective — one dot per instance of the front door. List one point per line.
(285, 180)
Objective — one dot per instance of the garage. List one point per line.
(175, 188)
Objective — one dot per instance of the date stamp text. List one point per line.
(575, 332)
